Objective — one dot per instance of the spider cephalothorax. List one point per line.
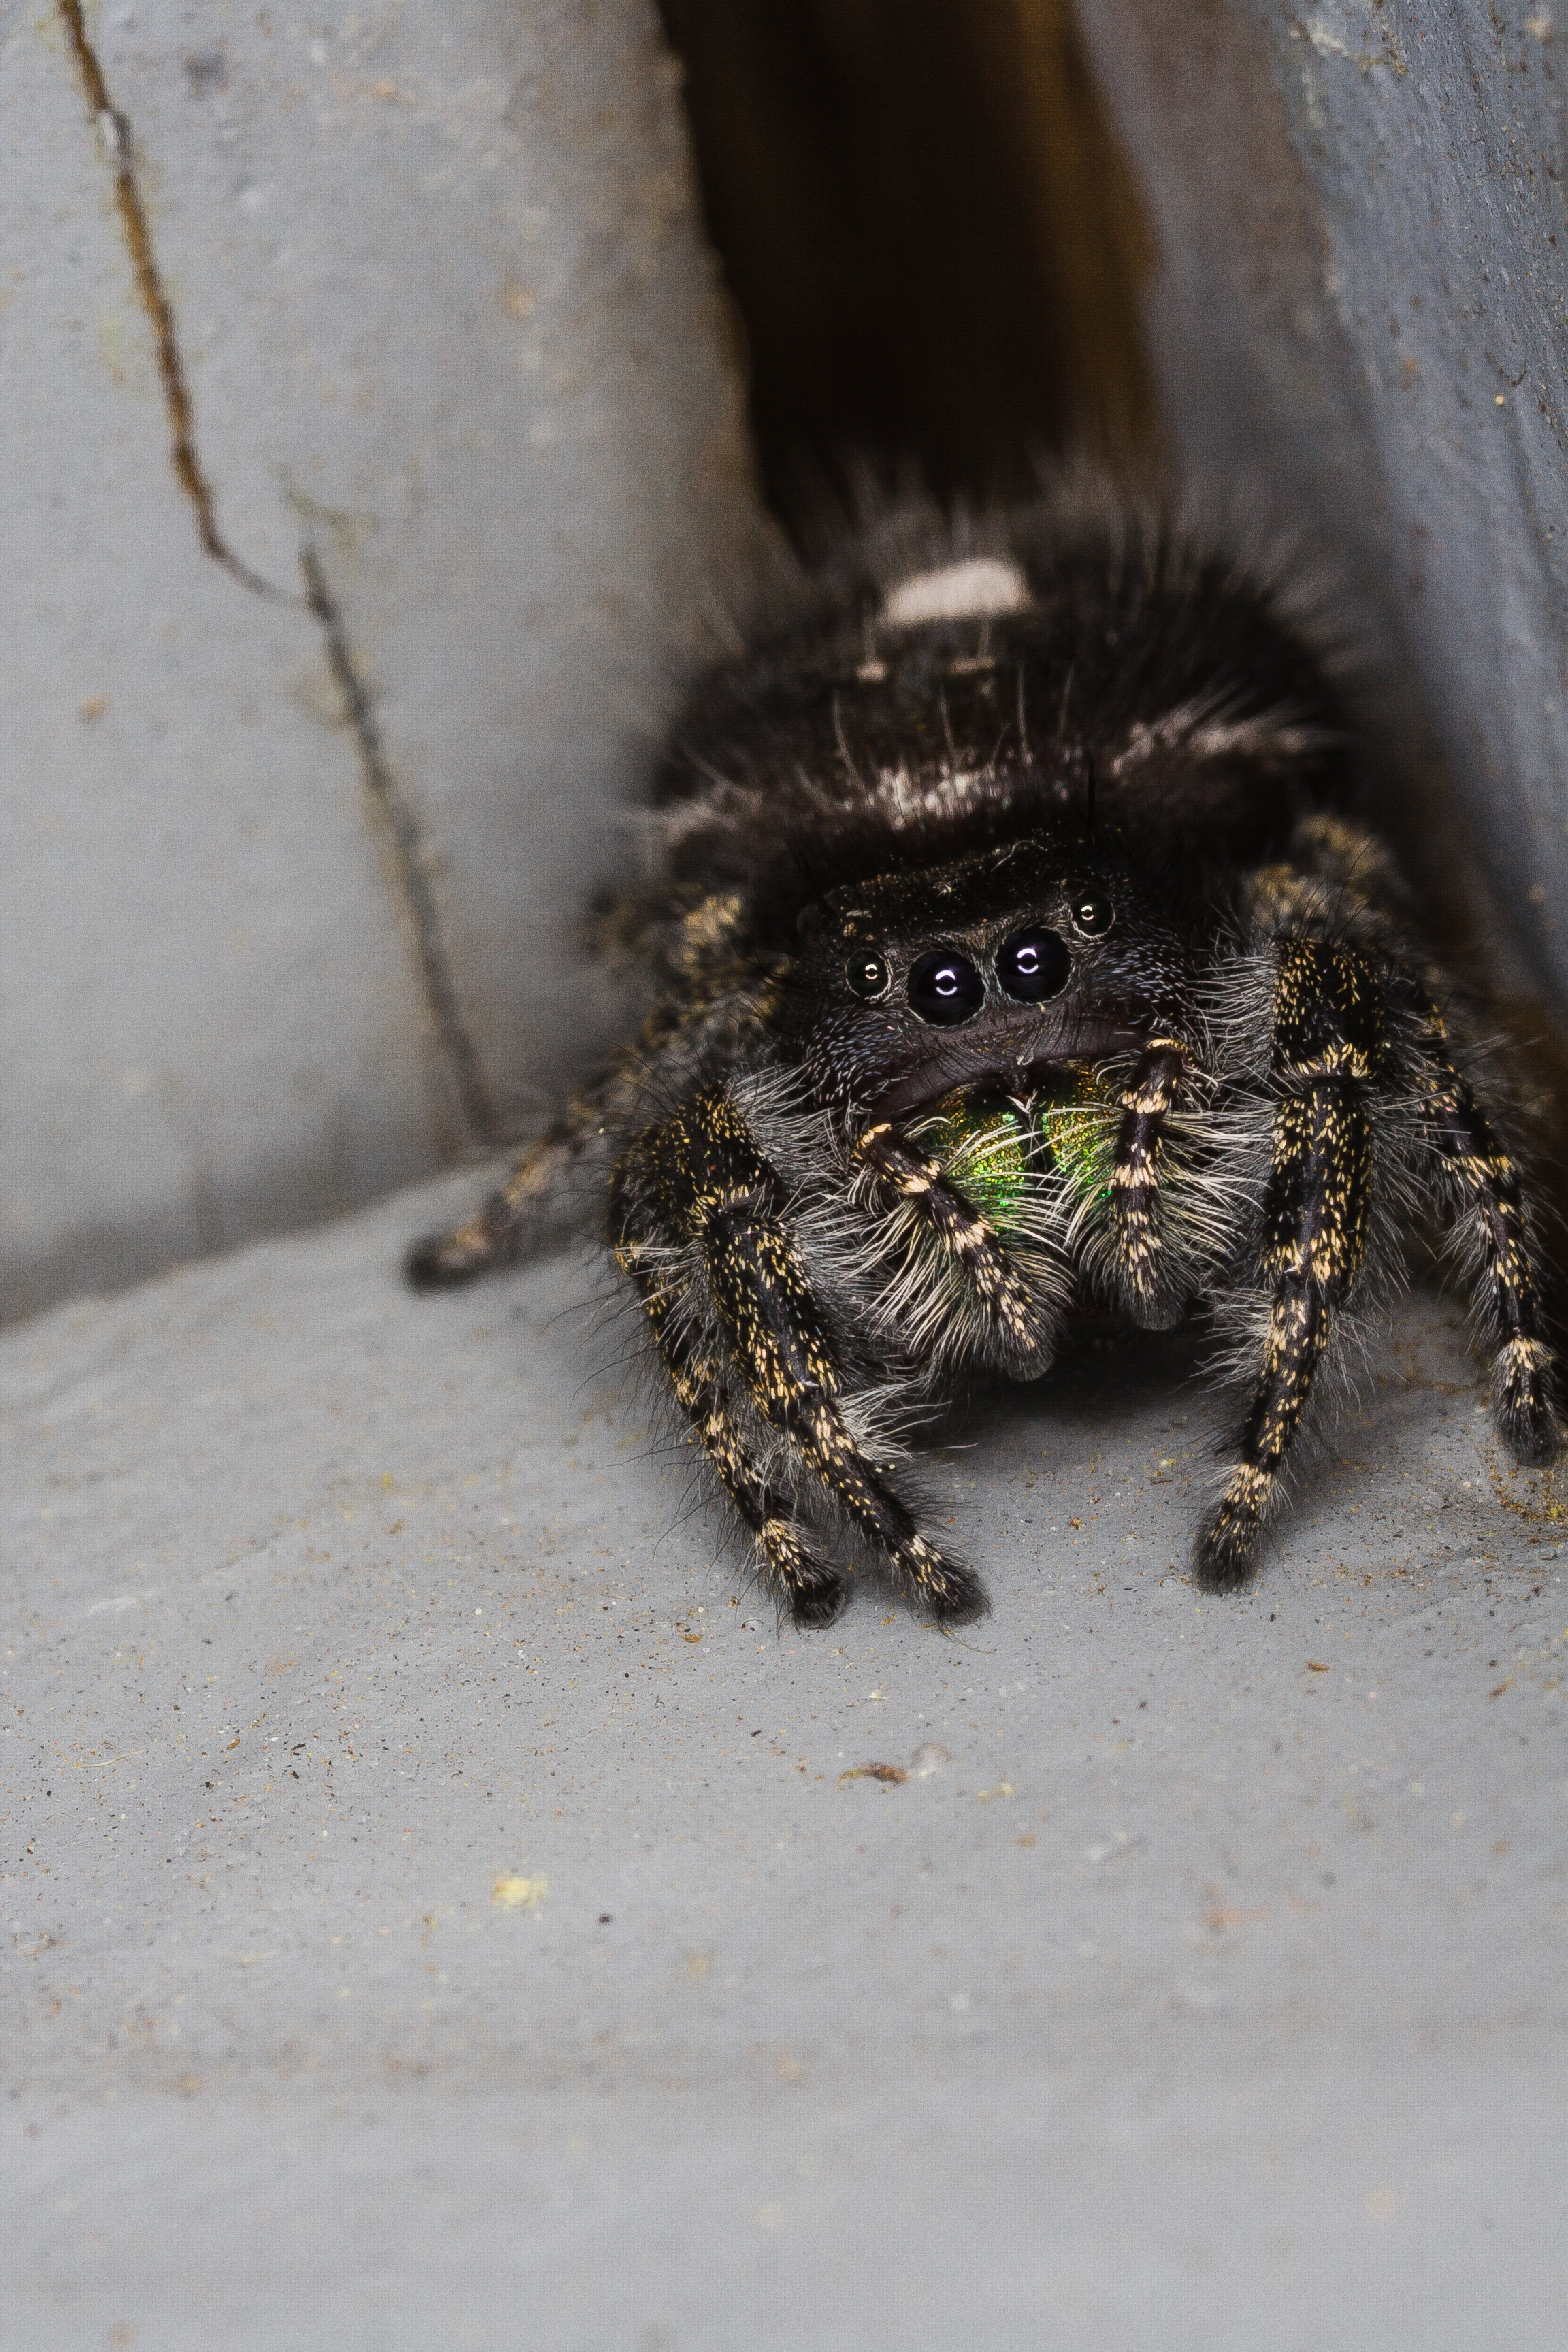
(1010, 949)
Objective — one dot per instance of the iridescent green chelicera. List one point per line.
(990, 1149)
(1073, 1123)
(986, 1148)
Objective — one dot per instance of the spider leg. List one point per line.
(501, 1228)
(700, 1180)
(812, 1589)
(1484, 1189)
(711, 988)
(1151, 1285)
(892, 1169)
(1328, 1044)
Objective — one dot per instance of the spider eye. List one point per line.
(945, 989)
(1033, 965)
(870, 976)
(1092, 913)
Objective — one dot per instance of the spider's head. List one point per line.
(980, 973)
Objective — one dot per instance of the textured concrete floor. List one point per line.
(440, 1912)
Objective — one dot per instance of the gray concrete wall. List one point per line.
(429, 284)
(1360, 312)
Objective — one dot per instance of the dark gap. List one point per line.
(932, 242)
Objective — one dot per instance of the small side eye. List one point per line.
(945, 989)
(1092, 913)
(1033, 965)
(870, 976)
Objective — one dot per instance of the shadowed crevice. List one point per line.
(408, 845)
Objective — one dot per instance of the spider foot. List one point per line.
(946, 1591)
(441, 1261)
(813, 1590)
(1521, 1402)
(1225, 1559)
(814, 1607)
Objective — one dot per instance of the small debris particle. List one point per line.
(691, 1637)
(892, 1773)
(518, 1894)
(1315, 1666)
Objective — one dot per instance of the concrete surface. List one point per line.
(439, 1915)
(431, 285)
(1359, 320)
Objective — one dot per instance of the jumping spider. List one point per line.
(1010, 951)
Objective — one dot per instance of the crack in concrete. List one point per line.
(115, 131)
(408, 843)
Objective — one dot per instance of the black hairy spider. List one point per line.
(1011, 950)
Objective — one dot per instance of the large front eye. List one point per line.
(945, 989)
(1033, 965)
(870, 976)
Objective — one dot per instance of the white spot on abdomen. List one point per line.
(959, 591)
